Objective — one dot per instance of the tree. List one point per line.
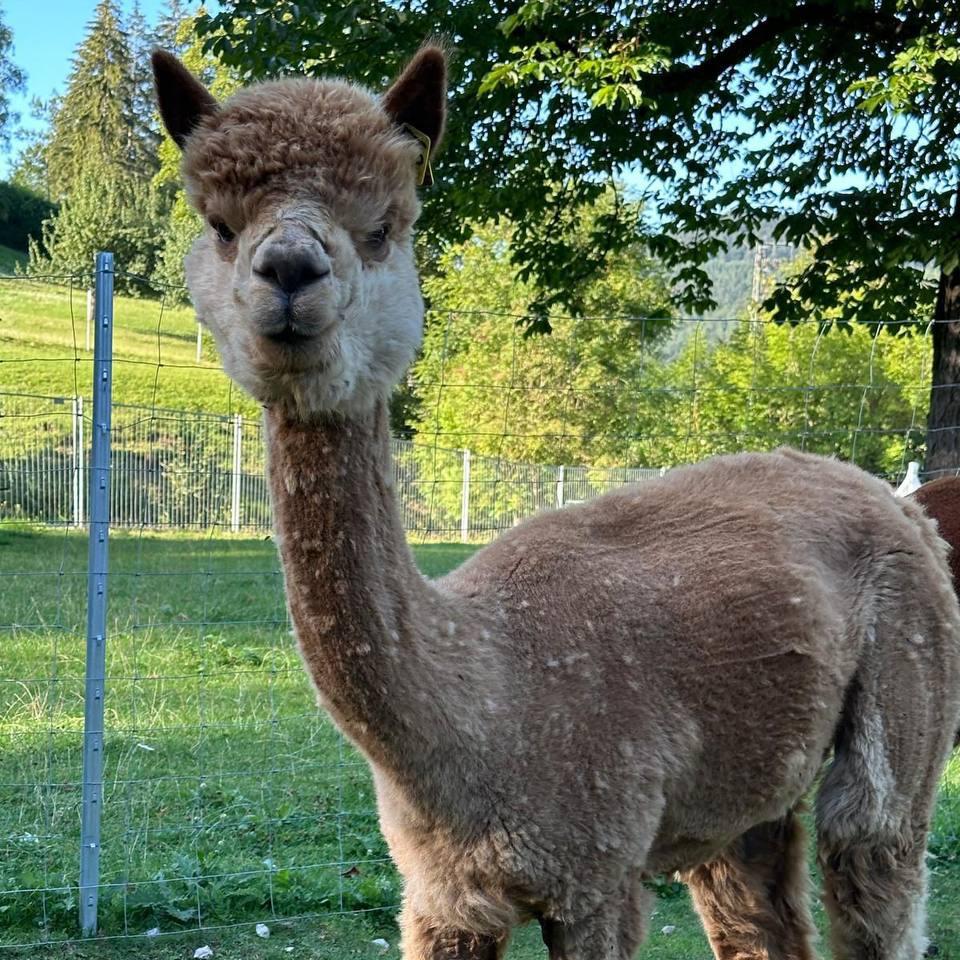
(97, 119)
(12, 80)
(30, 167)
(560, 399)
(837, 122)
(557, 399)
(146, 135)
(605, 390)
(103, 212)
(100, 156)
(856, 393)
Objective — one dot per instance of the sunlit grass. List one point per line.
(228, 796)
(43, 350)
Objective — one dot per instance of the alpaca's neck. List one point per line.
(375, 636)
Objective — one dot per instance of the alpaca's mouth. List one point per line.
(292, 321)
(287, 329)
(289, 336)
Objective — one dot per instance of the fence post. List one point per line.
(237, 463)
(76, 406)
(560, 478)
(97, 570)
(465, 500)
(88, 346)
(199, 341)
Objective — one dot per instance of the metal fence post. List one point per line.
(87, 345)
(75, 460)
(237, 463)
(97, 570)
(560, 478)
(465, 500)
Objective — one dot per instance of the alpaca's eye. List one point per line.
(223, 232)
(378, 237)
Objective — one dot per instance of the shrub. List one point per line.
(22, 213)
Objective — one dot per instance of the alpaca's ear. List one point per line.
(183, 100)
(418, 98)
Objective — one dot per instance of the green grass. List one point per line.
(229, 797)
(43, 350)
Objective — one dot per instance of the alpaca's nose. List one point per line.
(290, 268)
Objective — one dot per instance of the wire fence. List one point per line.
(191, 470)
(226, 796)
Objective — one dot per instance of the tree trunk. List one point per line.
(943, 423)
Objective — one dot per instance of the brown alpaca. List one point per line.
(940, 500)
(645, 683)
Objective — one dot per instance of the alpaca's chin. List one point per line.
(313, 391)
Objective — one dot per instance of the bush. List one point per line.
(22, 213)
(105, 211)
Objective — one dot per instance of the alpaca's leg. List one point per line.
(875, 886)
(612, 933)
(423, 939)
(595, 937)
(753, 900)
(873, 814)
(634, 915)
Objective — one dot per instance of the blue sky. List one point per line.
(45, 34)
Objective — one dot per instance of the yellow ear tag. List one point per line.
(424, 170)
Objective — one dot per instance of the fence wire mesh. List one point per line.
(228, 796)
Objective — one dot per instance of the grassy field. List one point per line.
(229, 798)
(43, 350)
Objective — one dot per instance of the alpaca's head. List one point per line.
(305, 270)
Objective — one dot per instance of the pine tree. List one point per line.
(169, 33)
(96, 121)
(30, 167)
(101, 154)
(12, 80)
(146, 137)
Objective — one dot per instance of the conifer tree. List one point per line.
(147, 137)
(12, 79)
(95, 121)
(101, 154)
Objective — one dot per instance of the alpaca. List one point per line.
(644, 683)
(940, 500)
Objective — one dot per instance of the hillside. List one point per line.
(42, 341)
(42, 350)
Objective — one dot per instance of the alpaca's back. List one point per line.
(717, 619)
(750, 530)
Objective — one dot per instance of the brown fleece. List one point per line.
(754, 898)
(940, 500)
(545, 724)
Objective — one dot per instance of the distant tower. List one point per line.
(762, 253)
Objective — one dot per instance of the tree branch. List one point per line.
(702, 75)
